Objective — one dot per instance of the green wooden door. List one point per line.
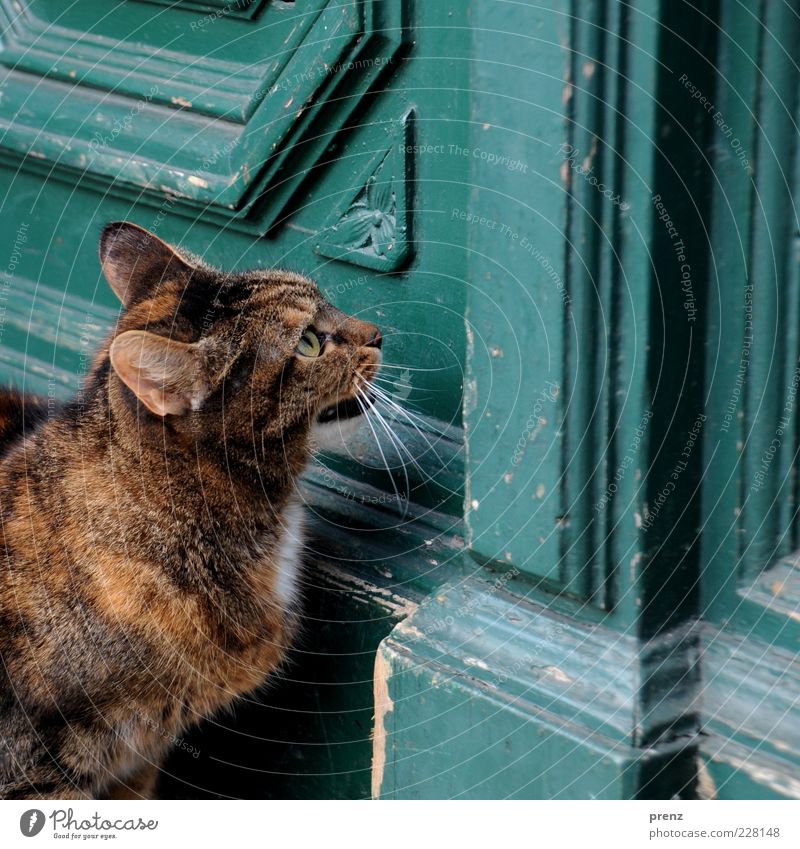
(537, 207)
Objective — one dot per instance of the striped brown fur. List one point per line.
(144, 523)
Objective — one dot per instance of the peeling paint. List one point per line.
(368, 593)
(383, 706)
(555, 672)
(474, 661)
(764, 775)
(197, 181)
(470, 396)
(586, 165)
(407, 627)
(181, 101)
(706, 789)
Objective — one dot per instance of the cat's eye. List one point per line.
(310, 344)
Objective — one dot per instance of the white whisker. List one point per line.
(379, 447)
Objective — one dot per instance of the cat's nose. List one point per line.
(376, 340)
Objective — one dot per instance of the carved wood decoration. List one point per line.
(373, 229)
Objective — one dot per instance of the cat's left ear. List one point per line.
(135, 262)
(168, 377)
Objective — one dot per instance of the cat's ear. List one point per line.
(168, 377)
(135, 262)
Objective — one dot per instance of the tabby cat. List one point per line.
(151, 528)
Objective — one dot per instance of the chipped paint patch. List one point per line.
(706, 789)
(474, 661)
(366, 592)
(555, 672)
(197, 181)
(181, 101)
(777, 587)
(773, 779)
(383, 706)
(407, 627)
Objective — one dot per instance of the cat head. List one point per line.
(243, 356)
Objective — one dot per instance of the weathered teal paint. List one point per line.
(531, 612)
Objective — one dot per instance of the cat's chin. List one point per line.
(344, 410)
(335, 436)
(336, 426)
